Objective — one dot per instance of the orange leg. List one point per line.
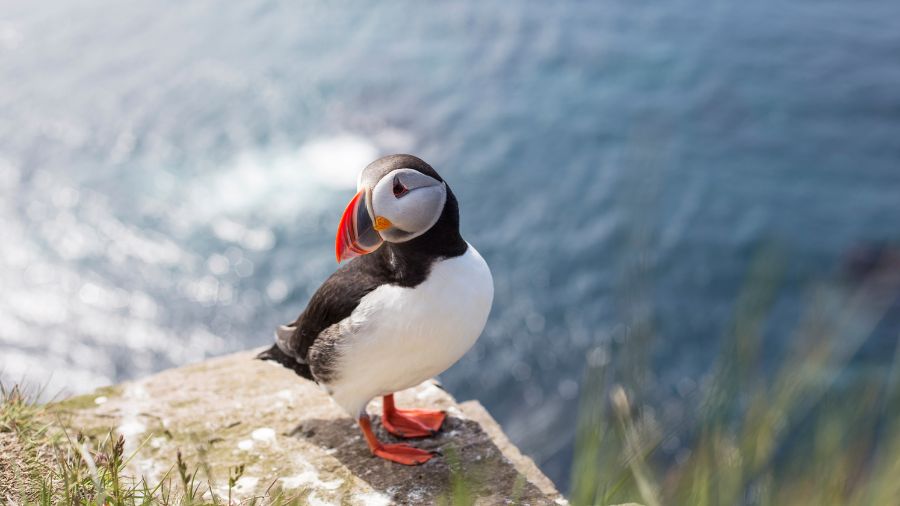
(409, 423)
(399, 453)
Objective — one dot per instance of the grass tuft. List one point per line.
(815, 428)
(45, 463)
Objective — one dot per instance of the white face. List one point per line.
(410, 201)
(396, 207)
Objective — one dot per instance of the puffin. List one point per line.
(410, 302)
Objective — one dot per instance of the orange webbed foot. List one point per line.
(410, 423)
(403, 454)
(399, 453)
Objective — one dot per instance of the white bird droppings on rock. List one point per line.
(373, 499)
(331, 485)
(310, 479)
(296, 481)
(416, 496)
(263, 435)
(131, 428)
(246, 483)
(313, 500)
(245, 444)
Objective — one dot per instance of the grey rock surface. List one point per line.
(291, 437)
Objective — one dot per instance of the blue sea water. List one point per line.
(171, 174)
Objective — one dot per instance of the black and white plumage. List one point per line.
(402, 311)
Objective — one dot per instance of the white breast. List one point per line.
(407, 335)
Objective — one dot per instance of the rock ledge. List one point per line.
(289, 436)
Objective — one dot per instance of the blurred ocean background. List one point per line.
(172, 175)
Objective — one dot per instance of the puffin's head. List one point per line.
(399, 198)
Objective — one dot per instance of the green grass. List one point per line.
(804, 431)
(48, 464)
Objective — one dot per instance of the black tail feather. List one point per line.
(276, 355)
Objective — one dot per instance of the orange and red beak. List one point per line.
(357, 234)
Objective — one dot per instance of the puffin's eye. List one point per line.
(399, 189)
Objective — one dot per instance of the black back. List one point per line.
(404, 264)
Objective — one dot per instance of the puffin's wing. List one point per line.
(334, 301)
(276, 354)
